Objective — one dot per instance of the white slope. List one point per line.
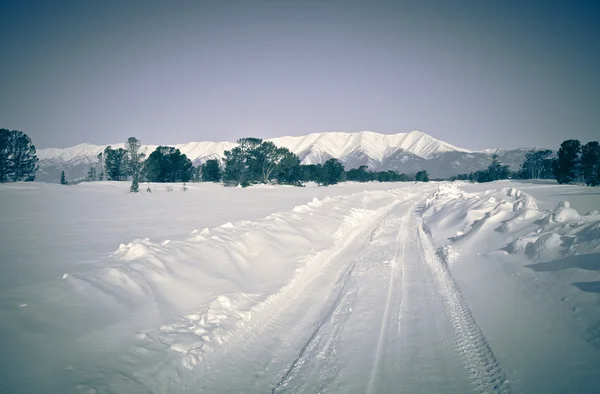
(313, 146)
(376, 146)
(422, 288)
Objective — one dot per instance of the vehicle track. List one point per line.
(335, 305)
(484, 370)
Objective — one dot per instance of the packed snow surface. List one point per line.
(357, 288)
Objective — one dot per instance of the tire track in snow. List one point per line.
(286, 378)
(386, 312)
(484, 370)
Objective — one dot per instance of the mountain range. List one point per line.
(403, 152)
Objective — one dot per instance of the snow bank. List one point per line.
(199, 291)
(523, 228)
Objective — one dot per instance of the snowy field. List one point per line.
(355, 288)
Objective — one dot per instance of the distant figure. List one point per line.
(148, 190)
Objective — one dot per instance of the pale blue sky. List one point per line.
(477, 74)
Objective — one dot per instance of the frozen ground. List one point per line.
(358, 288)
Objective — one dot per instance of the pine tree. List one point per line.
(167, 164)
(5, 155)
(91, 176)
(288, 171)
(18, 158)
(332, 173)
(134, 156)
(210, 171)
(496, 170)
(422, 176)
(565, 165)
(115, 163)
(590, 161)
(243, 164)
(361, 174)
(63, 180)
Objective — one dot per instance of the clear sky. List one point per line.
(478, 74)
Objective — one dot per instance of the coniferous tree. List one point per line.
(63, 180)
(5, 155)
(360, 174)
(496, 170)
(590, 161)
(211, 172)
(566, 163)
(332, 173)
(134, 161)
(91, 176)
(288, 171)
(311, 172)
(422, 176)
(243, 164)
(115, 163)
(167, 164)
(18, 158)
(134, 156)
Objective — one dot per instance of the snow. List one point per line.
(439, 287)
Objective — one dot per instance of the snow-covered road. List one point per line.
(379, 313)
(418, 289)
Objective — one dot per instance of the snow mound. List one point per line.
(521, 226)
(561, 214)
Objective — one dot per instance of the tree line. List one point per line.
(574, 164)
(253, 161)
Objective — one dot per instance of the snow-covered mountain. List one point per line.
(403, 152)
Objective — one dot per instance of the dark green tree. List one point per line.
(496, 170)
(590, 161)
(332, 173)
(63, 180)
(360, 174)
(566, 163)
(311, 172)
(5, 155)
(422, 176)
(211, 171)
(135, 157)
(18, 158)
(115, 163)
(242, 164)
(167, 164)
(288, 171)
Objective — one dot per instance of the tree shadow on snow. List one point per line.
(589, 262)
(590, 287)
